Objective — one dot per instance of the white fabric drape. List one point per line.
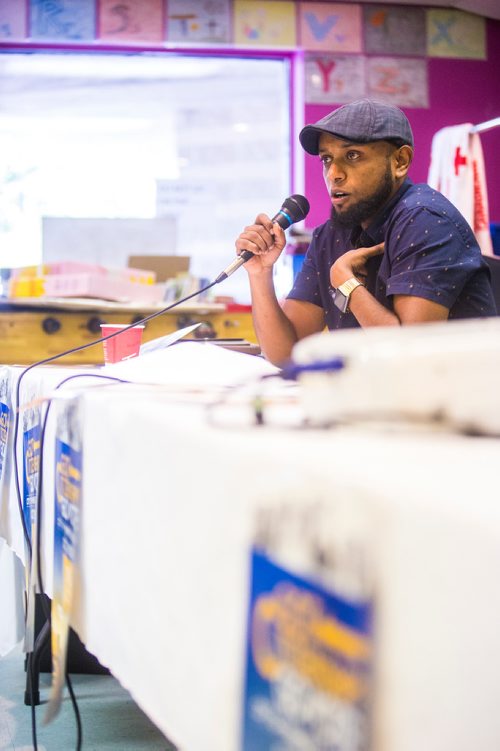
(457, 171)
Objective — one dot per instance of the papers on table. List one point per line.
(163, 342)
(191, 364)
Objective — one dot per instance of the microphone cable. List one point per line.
(46, 361)
(294, 209)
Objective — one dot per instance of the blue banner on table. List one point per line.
(4, 435)
(31, 466)
(308, 665)
(5, 460)
(68, 481)
(5, 448)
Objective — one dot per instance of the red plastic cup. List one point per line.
(121, 347)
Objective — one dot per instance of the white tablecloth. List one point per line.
(166, 542)
(173, 504)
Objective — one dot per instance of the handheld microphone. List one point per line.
(294, 209)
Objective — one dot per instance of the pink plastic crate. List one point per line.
(104, 287)
(125, 272)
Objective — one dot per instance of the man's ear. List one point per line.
(403, 157)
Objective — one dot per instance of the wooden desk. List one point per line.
(34, 329)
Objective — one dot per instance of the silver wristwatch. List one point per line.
(342, 294)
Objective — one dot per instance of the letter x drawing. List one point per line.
(443, 29)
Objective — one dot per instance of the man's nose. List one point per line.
(335, 173)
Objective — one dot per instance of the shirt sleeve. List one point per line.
(306, 284)
(431, 256)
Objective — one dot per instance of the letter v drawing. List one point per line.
(320, 29)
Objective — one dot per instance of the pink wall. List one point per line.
(460, 91)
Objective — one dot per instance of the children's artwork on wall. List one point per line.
(394, 30)
(198, 21)
(269, 24)
(66, 19)
(334, 78)
(399, 80)
(332, 27)
(13, 19)
(454, 33)
(131, 21)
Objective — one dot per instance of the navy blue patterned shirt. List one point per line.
(430, 251)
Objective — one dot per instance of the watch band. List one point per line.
(343, 292)
(348, 287)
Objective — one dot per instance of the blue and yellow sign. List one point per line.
(4, 434)
(68, 482)
(31, 467)
(309, 656)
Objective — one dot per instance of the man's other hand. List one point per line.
(353, 263)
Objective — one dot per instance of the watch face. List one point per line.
(340, 300)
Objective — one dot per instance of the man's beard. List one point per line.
(367, 208)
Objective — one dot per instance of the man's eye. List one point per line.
(352, 155)
(326, 160)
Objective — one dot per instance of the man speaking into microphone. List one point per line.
(391, 253)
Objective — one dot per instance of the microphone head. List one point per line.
(296, 207)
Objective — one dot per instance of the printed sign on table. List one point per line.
(5, 450)
(64, 19)
(132, 21)
(394, 30)
(13, 19)
(31, 468)
(308, 665)
(398, 80)
(454, 33)
(334, 78)
(4, 436)
(198, 21)
(269, 24)
(68, 482)
(332, 27)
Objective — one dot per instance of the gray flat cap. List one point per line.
(362, 121)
